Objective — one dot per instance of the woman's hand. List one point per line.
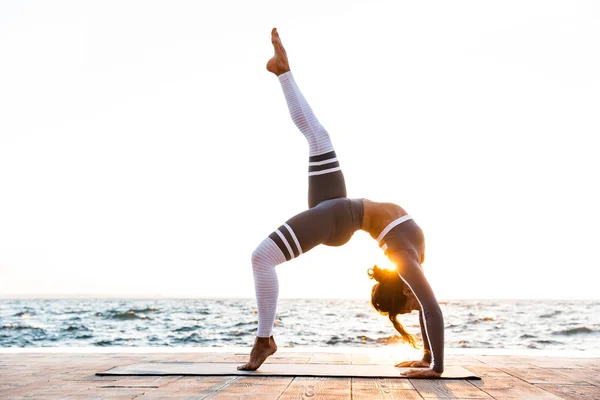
(421, 373)
(413, 364)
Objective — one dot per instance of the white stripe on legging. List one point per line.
(325, 171)
(316, 163)
(287, 245)
(391, 226)
(294, 237)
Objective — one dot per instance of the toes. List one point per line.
(247, 367)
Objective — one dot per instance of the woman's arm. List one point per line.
(425, 362)
(426, 348)
(432, 319)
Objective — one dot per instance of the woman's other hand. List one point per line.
(413, 364)
(421, 373)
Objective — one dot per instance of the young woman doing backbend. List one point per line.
(331, 220)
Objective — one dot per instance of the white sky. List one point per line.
(145, 150)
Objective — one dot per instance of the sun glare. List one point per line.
(383, 262)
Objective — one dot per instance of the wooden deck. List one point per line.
(71, 376)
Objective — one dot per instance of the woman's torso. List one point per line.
(378, 215)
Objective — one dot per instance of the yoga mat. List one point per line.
(313, 370)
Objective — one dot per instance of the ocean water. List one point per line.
(489, 324)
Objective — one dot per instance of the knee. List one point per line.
(266, 255)
(255, 258)
(259, 260)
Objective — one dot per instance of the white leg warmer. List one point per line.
(264, 259)
(302, 115)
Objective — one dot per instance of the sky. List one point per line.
(145, 150)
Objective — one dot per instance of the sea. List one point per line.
(217, 323)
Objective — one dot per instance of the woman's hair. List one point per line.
(388, 298)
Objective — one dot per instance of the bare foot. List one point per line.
(262, 349)
(279, 63)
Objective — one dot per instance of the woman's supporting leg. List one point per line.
(266, 285)
(325, 177)
(295, 237)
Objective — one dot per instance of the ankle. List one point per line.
(282, 71)
(264, 340)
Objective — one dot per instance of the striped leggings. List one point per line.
(331, 218)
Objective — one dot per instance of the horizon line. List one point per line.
(97, 296)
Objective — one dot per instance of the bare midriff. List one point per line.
(378, 215)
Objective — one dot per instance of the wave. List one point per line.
(23, 327)
(575, 331)
(24, 314)
(544, 341)
(334, 340)
(239, 324)
(478, 320)
(115, 342)
(526, 336)
(193, 338)
(143, 310)
(552, 314)
(187, 328)
(72, 328)
(125, 315)
(83, 337)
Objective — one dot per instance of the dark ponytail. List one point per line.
(388, 298)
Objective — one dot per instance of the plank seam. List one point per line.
(286, 388)
(221, 387)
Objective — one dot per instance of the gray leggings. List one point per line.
(331, 219)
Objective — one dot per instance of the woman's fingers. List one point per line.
(421, 373)
(404, 364)
(413, 364)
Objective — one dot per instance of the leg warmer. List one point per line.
(266, 285)
(302, 115)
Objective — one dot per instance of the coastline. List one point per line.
(402, 349)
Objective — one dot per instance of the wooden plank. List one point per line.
(593, 363)
(383, 383)
(579, 392)
(368, 388)
(436, 389)
(499, 382)
(486, 371)
(524, 393)
(541, 375)
(318, 389)
(68, 375)
(249, 388)
(188, 386)
(587, 375)
(330, 358)
(556, 363)
(372, 359)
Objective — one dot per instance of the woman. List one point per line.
(332, 219)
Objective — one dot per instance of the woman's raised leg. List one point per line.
(325, 178)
